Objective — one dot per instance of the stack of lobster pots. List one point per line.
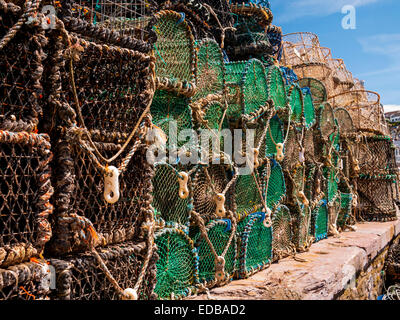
(156, 149)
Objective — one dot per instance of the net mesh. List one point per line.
(320, 217)
(282, 237)
(296, 103)
(276, 87)
(81, 278)
(111, 83)
(256, 245)
(345, 121)
(210, 68)
(25, 190)
(309, 111)
(80, 184)
(177, 268)
(276, 185)
(218, 232)
(317, 88)
(289, 75)
(21, 70)
(274, 136)
(345, 209)
(166, 201)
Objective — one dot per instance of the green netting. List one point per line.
(310, 181)
(174, 48)
(320, 214)
(282, 237)
(331, 176)
(317, 88)
(247, 196)
(296, 103)
(276, 185)
(276, 87)
(177, 266)
(274, 136)
(166, 202)
(255, 245)
(247, 83)
(167, 107)
(213, 115)
(345, 209)
(210, 69)
(309, 111)
(218, 232)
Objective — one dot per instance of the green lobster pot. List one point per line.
(282, 235)
(172, 114)
(276, 185)
(255, 245)
(320, 221)
(309, 111)
(317, 89)
(175, 53)
(274, 136)
(210, 69)
(219, 232)
(345, 209)
(301, 217)
(247, 84)
(167, 204)
(296, 103)
(276, 87)
(177, 266)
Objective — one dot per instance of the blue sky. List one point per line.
(371, 51)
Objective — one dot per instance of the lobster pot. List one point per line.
(172, 114)
(320, 219)
(309, 147)
(26, 281)
(251, 37)
(119, 23)
(207, 183)
(319, 71)
(80, 201)
(282, 235)
(247, 85)
(177, 266)
(210, 69)
(219, 232)
(392, 263)
(274, 135)
(375, 156)
(276, 86)
(289, 75)
(175, 53)
(80, 277)
(276, 189)
(317, 90)
(375, 199)
(167, 203)
(114, 86)
(249, 192)
(255, 245)
(342, 78)
(301, 217)
(24, 196)
(325, 132)
(345, 209)
(365, 109)
(296, 103)
(202, 23)
(302, 47)
(309, 111)
(21, 70)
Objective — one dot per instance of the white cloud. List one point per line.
(294, 9)
(391, 107)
